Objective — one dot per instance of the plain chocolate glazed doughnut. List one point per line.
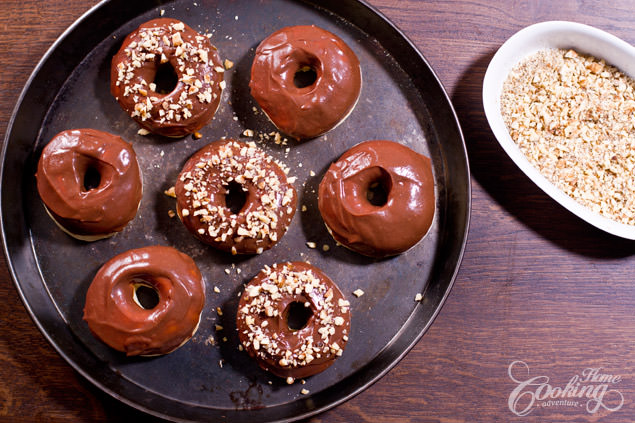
(235, 197)
(293, 320)
(305, 108)
(90, 182)
(115, 315)
(378, 198)
(167, 46)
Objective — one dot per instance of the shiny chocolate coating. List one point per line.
(117, 319)
(202, 187)
(263, 320)
(310, 111)
(198, 68)
(61, 172)
(378, 230)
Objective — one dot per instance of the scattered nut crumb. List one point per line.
(220, 363)
(311, 244)
(143, 131)
(303, 208)
(325, 247)
(227, 271)
(418, 297)
(290, 380)
(162, 12)
(197, 135)
(228, 64)
(171, 213)
(358, 293)
(248, 133)
(216, 290)
(304, 391)
(311, 173)
(219, 327)
(219, 311)
(170, 192)
(210, 340)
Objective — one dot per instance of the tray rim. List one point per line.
(394, 360)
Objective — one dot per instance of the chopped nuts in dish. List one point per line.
(573, 117)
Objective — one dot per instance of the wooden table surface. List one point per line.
(537, 286)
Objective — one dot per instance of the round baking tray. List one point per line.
(401, 100)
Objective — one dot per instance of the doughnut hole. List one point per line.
(307, 72)
(92, 179)
(297, 315)
(304, 77)
(235, 197)
(165, 79)
(368, 189)
(91, 173)
(144, 294)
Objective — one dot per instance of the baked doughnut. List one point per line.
(306, 80)
(378, 198)
(293, 320)
(90, 183)
(234, 197)
(167, 47)
(116, 316)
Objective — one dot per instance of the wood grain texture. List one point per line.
(536, 283)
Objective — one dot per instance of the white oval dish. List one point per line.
(554, 34)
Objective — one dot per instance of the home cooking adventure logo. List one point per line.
(591, 390)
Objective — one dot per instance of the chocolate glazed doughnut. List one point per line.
(90, 182)
(378, 198)
(169, 52)
(293, 320)
(306, 80)
(234, 197)
(116, 316)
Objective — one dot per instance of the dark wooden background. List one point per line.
(536, 284)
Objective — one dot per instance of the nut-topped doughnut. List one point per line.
(293, 320)
(90, 183)
(167, 46)
(305, 79)
(235, 197)
(378, 198)
(116, 316)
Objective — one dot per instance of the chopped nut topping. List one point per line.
(247, 165)
(262, 302)
(191, 52)
(228, 64)
(358, 293)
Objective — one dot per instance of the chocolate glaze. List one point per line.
(202, 187)
(194, 100)
(378, 230)
(116, 319)
(60, 175)
(279, 349)
(315, 109)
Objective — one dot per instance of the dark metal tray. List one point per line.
(401, 100)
